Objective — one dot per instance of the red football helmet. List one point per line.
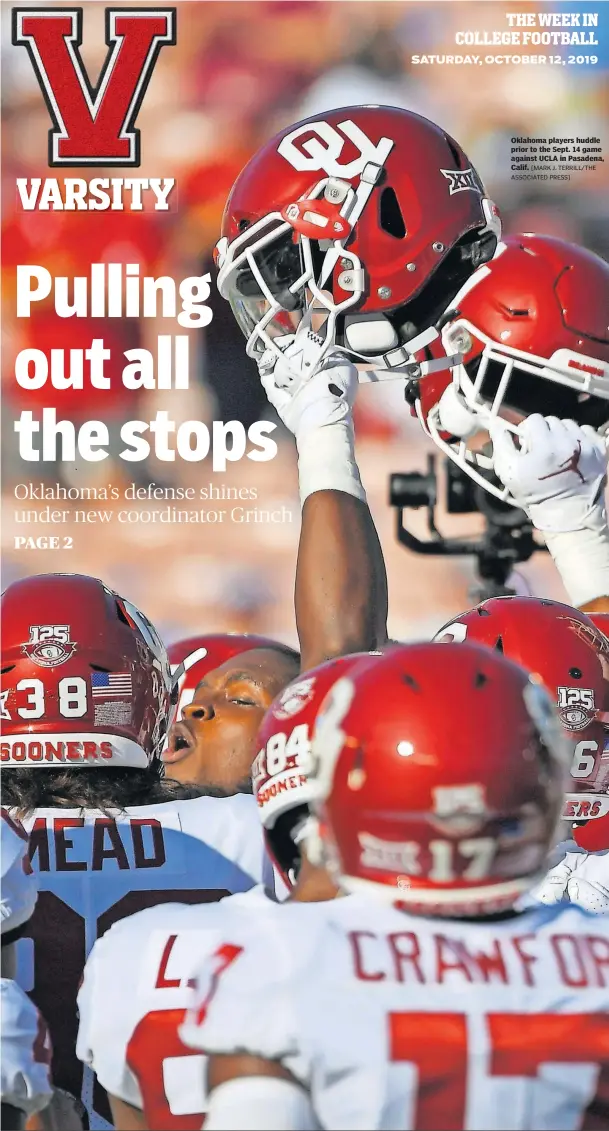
(533, 334)
(86, 677)
(357, 226)
(449, 812)
(593, 836)
(193, 658)
(563, 649)
(280, 770)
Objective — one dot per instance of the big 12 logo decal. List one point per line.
(94, 125)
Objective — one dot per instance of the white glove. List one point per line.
(324, 399)
(581, 878)
(592, 896)
(553, 888)
(317, 410)
(557, 475)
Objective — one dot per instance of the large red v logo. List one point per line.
(94, 125)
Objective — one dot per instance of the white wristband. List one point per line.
(259, 1103)
(582, 560)
(326, 461)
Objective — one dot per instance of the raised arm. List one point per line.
(341, 583)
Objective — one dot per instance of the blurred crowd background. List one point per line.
(240, 72)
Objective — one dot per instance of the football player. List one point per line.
(532, 332)
(191, 659)
(26, 1051)
(190, 755)
(137, 980)
(562, 647)
(427, 999)
(87, 695)
(88, 687)
(322, 271)
(570, 879)
(340, 588)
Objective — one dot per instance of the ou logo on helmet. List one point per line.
(323, 152)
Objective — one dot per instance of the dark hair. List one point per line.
(25, 789)
(285, 650)
(287, 653)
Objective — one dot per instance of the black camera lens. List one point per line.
(412, 489)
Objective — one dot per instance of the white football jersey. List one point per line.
(25, 1064)
(137, 985)
(579, 877)
(394, 1021)
(94, 870)
(19, 886)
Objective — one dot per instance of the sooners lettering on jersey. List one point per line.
(394, 1021)
(93, 871)
(137, 985)
(26, 1051)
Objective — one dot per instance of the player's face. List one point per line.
(213, 744)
